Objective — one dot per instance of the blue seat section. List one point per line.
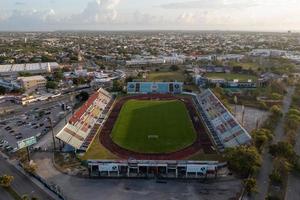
(222, 125)
(154, 87)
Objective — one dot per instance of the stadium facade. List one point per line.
(154, 87)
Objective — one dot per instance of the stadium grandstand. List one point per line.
(149, 168)
(154, 87)
(224, 129)
(86, 121)
(34, 68)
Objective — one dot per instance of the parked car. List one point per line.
(18, 137)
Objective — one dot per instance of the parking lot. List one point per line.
(34, 122)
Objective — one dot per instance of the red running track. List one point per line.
(202, 142)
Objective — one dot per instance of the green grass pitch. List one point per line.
(150, 126)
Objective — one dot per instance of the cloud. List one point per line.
(209, 4)
(28, 19)
(20, 3)
(98, 11)
(187, 18)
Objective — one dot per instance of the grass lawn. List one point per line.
(153, 126)
(231, 76)
(97, 151)
(166, 76)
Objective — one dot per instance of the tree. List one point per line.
(276, 110)
(51, 85)
(243, 160)
(83, 96)
(174, 68)
(275, 177)
(129, 79)
(79, 81)
(261, 137)
(25, 74)
(250, 185)
(46, 58)
(30, 167)
(2, 90)
(285, 150)
(6, 180)
(282, 165)
(58, 75)
(117, 86)
(25, 197)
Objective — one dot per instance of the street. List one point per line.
(21, 184)
(267, 165)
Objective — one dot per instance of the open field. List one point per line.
(166, 76)
(231, 76)
(148, 126)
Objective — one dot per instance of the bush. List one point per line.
(51, 84)
(250, 185)
(243, 160)
(6, 180)
(261, 137)
(276, 110)
(276, 96)
(275, 177)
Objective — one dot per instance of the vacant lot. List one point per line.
(150, 126)
(231, 76)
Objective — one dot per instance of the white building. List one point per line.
(33, 68)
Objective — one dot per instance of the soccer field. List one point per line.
(150, 126)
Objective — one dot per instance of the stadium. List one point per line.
(155, 129)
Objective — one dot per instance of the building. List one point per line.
(267, 53)
(9, 85)
(32, 83)
(33, 68)
(154, 87)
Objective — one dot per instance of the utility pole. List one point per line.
(50, 121)
(28, 153)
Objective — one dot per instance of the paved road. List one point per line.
(21, 184)
(75, 188)
(267, 165)
(4, 195)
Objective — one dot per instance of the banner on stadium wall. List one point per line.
(108, 167)
(196, 169)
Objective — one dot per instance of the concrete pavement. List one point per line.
(75, 188)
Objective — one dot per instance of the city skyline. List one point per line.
(245, 15)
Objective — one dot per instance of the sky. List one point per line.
(245, 15)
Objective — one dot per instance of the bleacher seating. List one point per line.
(83, 125)
(154, 87)
(222, 125)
